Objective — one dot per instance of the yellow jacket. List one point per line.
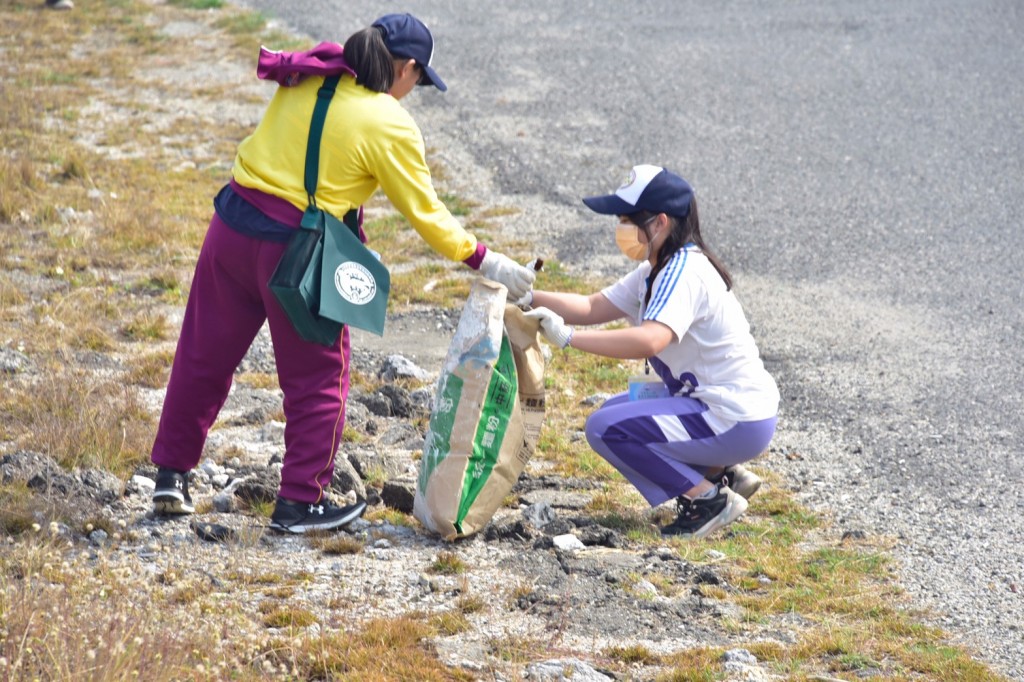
(369, 141)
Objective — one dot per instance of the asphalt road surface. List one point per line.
(858, 166)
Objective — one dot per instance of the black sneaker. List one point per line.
(740, 480)
(298, 517)
(698, 518)
(171, 493)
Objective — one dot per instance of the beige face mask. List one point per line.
(627, 238)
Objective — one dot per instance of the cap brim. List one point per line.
(430, 77)
(610, 204)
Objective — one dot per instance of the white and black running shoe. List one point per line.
(700, 517)
(171, 493)
(299, 517)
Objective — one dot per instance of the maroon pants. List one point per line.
(227, 305)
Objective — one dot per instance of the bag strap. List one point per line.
(316, 130)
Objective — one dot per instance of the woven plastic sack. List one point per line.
(486, 417)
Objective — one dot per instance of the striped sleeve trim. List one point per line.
(669, 278)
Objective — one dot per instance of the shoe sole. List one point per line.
(170, 504)
(299, 529)
(734, 509)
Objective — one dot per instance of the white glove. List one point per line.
(526, 301)
(552, 326)
(517, 278)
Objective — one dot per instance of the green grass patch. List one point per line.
(448, 563)
(197, 4)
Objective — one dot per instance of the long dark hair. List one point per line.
(368, 56)
(682, 231)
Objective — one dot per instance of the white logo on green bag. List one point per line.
(355, 283)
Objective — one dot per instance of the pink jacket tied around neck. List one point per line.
(289, 68)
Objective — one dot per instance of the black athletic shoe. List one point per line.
(298, 517)
(740, 480)
(171, 493)
(698, 518)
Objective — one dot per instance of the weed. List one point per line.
(457, 205)
(634, 653)
(448, 563)
(261, 380)
(449, 623)
(18, 508)
(335, 543)
(391, 516)
(82, 421)
(386, 649)
(375, 476)
(517, 648)
(468, 603)
(289, 617)
(146, 326)
(198, 4)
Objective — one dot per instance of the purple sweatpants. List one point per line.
(226, 307)
(663, 445)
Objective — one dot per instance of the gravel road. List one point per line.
(858, 166)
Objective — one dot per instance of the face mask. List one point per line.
(628, 240)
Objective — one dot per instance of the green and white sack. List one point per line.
(486, 417)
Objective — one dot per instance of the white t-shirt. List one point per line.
(714, 357)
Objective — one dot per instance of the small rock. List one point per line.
(98, 538)
(210, 468)
(705, 576)
(141, 484)
(568, 542)
(224, 502)
(272, 432)
(399, 493)
(565, 670)
(213, 532)
(396, 366)
(11, 361)
(739, 656)
(645, 588)
(539, 514)
(509, 530)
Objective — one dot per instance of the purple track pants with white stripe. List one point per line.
(663, 445)
(227, 305)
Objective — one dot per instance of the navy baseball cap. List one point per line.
(648, 188)
(408, 37)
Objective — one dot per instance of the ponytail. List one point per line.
(368, 56)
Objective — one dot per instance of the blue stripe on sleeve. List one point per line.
(668, 285)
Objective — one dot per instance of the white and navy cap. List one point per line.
(407, 37)
(648, 188)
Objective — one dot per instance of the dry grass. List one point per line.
(79, 420)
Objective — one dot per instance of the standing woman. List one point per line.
(369, 142)
(716, 405)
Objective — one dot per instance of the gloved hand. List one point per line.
(525, 301)
(503, 270)
(552, 326)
